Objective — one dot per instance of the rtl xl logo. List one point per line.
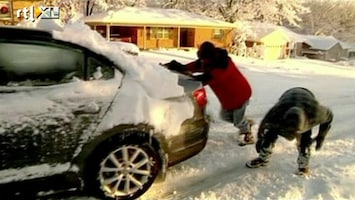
(43, 12)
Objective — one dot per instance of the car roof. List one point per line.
(24, 33)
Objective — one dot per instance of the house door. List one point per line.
(187, 37)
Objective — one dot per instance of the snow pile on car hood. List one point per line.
(158, 81)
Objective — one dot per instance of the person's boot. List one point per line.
(304, 171)
(256, 163)
(247, 138)
(303, 163)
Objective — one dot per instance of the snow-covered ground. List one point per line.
(219, 173)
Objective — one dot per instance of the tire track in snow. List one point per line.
(195, 186)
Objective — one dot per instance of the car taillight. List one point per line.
(201, 97)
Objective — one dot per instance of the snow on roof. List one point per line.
(260, 30)
(156, 16)
(321, 42)
(350, 46)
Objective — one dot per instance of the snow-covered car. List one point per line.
(75, 115)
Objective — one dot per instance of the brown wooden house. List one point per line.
(153, 28)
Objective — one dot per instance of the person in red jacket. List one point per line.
(229, 85)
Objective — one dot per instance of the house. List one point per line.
(8, 14)
(152, 28)
(325, 48)
(349, 50)
(270, 42)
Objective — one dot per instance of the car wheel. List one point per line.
(124, 172)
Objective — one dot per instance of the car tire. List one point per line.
(122, 172)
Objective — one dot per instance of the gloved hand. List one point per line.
(174, 65)
(319, 142)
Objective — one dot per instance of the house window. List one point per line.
(160, 33)
(218, 33)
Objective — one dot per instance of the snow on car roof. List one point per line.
(143, 93)
(145, 86)
(158, 81)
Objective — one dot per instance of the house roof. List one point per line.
(350, 46)
(156, 17)
(321, 42)
(260, 30)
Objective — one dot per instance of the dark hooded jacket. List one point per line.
(310, 113)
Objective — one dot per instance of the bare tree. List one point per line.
(335, 18)
(140, 3)
(271, 11)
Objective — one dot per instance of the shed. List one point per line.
(325, 48)
(348, 50)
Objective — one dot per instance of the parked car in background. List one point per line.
(72, 119)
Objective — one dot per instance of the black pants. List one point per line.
(304, 142)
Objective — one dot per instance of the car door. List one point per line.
(51, 97)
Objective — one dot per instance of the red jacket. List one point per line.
(229, 85)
